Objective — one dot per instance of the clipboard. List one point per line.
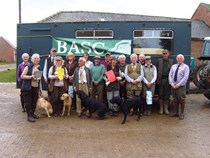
(110, 76)
(38, 74)
(60, 73)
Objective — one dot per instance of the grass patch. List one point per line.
(5, 63)
(8, 75)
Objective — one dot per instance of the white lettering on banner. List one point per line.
(62, 46)
(74, 47)
(94, 47)
(87, 46)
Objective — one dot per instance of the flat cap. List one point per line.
(107, 54)
(58, 58)
(53, 50)
(97, 57)
(147, 57)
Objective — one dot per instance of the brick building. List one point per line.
(200, 29)
(7, 51)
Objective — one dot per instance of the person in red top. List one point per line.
(107, 60)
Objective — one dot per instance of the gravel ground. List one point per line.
(65, 137)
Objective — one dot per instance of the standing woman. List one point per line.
(58, 75)
(88, 63)
(71, 64)
(20, 69)
(113, 88)
(30, 87)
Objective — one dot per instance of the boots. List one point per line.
(181, 116)
(165, 103)
(149, 110)
(175, 110)
(22, 103)
(161, 106)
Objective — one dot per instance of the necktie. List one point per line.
(176, 73)
(81, 75)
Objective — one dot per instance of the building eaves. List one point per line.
(85, 16)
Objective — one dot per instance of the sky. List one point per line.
(35, 10)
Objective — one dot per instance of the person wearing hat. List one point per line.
(97, 71)
(57, 75)
(164, 88)
(49, 61)
(112, 88)
(150, 76)
(107, 59)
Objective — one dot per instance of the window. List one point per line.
(152, 41)
(94, 34)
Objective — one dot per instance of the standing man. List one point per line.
(134, 75)
(150, 76)
(97, 71)
(178, 76)
(20, 69)
(164, 65)
(141, 59)
(81, 81)
(48, 63)
(122, 65)
(107, 60)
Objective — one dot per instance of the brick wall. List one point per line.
(202, 13)
(7, 52)
(196, 49)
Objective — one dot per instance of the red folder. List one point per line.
(110, 76)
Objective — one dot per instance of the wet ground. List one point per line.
(156, 136)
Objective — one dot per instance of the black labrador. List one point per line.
(126, 105)
(92, 105)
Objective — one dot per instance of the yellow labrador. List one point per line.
(44, 104)
(67, 102)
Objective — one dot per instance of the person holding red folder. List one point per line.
(112, 84)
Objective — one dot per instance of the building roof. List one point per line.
(86, 16)
(2, 39)
(207, 6)
(199, 29)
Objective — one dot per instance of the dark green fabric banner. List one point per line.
(92, 47)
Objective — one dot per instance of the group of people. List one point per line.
(104, 79)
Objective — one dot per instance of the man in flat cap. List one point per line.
(164, 88)
(49, 61)
(97, 71)
(107, 60)
(150, 76)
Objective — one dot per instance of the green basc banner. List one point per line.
(95, 47)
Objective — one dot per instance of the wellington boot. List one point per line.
(161, 106)
(31, 119)
(166, 107)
